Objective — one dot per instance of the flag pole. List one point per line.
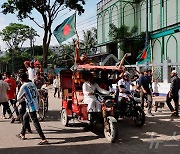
(77, 53)
(75, 27)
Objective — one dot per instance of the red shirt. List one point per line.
(12, 85)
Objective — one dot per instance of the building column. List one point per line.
(165, 71)
(120, 52)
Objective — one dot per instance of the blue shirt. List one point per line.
(29, 91)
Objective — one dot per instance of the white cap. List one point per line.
(174, 71)
(126, 73)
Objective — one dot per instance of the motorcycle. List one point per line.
(129, 106)
(107, 116)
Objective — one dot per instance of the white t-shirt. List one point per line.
(126, 85)
(55, 83)
(91, 88)
(31, 73)
(3, 89)
(29, 91)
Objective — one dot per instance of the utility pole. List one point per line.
(147, 32)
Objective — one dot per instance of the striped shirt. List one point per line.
(29, 91)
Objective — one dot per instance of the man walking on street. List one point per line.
(4, 87)
(29, 91)
(146, 91)
(11, 93)
(56, 86)
(174, 93)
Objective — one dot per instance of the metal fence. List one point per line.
(158, 70)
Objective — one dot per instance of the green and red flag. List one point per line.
(65, 30)
(144, 56)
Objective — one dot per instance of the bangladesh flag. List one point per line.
(65, 30)
(144, 56)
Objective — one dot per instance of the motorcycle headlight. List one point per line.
(109, 103)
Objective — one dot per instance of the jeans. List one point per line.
(149, 99)
(13, 103)
(6, 108)
(176, 102)
(55, 91)
(36, 123)
(22, 110)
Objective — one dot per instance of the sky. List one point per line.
(84, 22)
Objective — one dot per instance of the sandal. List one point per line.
(3, 117)
(12, 120)
(20, 136)
(43, 142)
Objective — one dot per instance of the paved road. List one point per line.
(160, 134)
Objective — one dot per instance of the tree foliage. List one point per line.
(65, 58)
(48, 9)
(19, 58)
(128, 40)
(89, 39)
(16, 34)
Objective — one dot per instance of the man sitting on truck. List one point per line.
(89, 89)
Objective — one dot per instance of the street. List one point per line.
(160, 134)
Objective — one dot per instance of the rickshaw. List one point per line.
(73, 106)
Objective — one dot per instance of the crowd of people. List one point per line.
(32, 78)
(141, 84)
(27, 82)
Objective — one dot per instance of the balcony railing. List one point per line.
(102, 3)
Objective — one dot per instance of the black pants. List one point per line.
(55, 91)
(13, 103)
(36, 123)
(6, 108)
(176, 102)
(22, 111)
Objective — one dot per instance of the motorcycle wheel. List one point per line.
(110, 130)
(41, 111)
(139, 116)
(64, 118)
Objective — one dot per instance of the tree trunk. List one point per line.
(45, 53)
(46, 42)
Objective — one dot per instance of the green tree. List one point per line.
(128, 40)
(16, 34)
(89, 39)
(48, 9)
(38, 50)
(65, 58)
(19, 58)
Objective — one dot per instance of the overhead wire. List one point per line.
(120, 13)
(117, 19)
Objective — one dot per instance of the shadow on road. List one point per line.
(153, 137)
(162, 125)
(52, 115)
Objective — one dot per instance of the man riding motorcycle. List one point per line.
(124, 88)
